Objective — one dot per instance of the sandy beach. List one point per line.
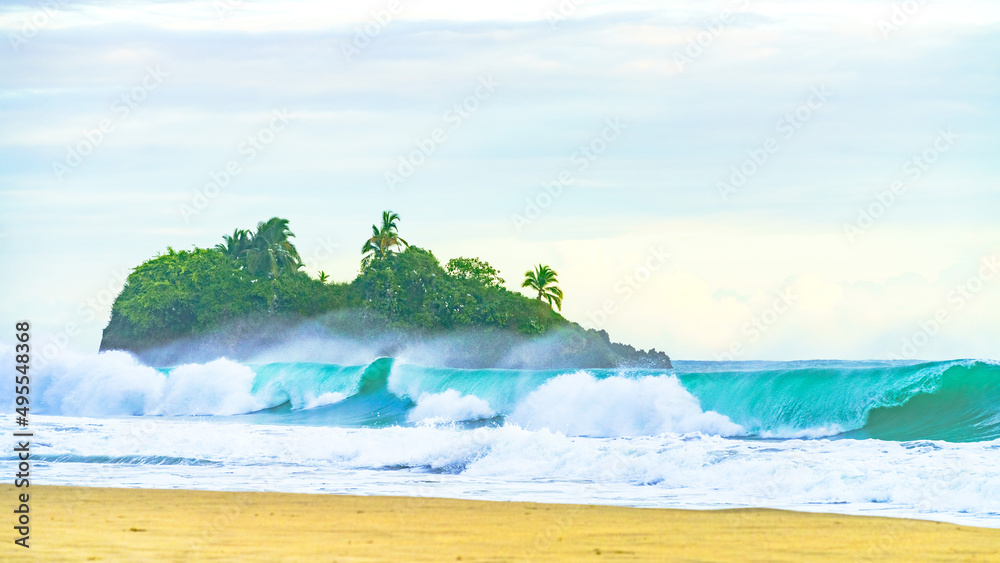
(95, 524)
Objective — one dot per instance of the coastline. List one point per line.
(108, 524)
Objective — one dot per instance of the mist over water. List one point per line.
(348, 338)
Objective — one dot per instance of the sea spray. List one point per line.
(449, 406)
(579, 404)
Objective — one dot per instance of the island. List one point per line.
(250, 293)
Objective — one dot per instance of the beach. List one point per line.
(118, 524)
(500, 281)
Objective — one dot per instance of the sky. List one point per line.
(719, 180)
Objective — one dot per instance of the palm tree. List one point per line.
(543, 279)
(271, 253)
(373, 248)
(323, 276)
(235, 245)
(383, 239)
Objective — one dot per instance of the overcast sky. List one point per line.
(769, 180)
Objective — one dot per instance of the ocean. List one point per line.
(910, 439)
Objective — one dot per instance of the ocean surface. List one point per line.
(909, 439)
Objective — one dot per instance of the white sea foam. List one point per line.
(820, 432)
(582, 405)
(90, 385)
(641, 441)
(325, 399)
(221, 387)
(449, 406)
(115, 383)
(921, 479)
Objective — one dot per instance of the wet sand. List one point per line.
(81, 524)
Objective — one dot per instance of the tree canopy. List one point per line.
(254, 281)
(474, 269)
(384, 240)
(259, 274)
(271, 253)
(543, 280)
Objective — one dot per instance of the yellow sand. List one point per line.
(81, 524)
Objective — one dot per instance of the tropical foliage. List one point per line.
(267, 252)
(254, 280)
(236, 245)
(185, 293)
(474, 269)
(411, 290)
(258, 274)
(543, 280)
(271, 253)
(384, 240)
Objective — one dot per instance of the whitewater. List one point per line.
(910, 439)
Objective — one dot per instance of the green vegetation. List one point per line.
(383, 240)
(255, 279)
(179, 294)
(543, 279)
(258, 274)
(266, 252)
(476, 270)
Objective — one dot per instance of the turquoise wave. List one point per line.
(956, 401)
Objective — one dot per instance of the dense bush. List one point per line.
(180, 294)
(414, 291)
(186, 293)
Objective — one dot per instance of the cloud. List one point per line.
(687, 129)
